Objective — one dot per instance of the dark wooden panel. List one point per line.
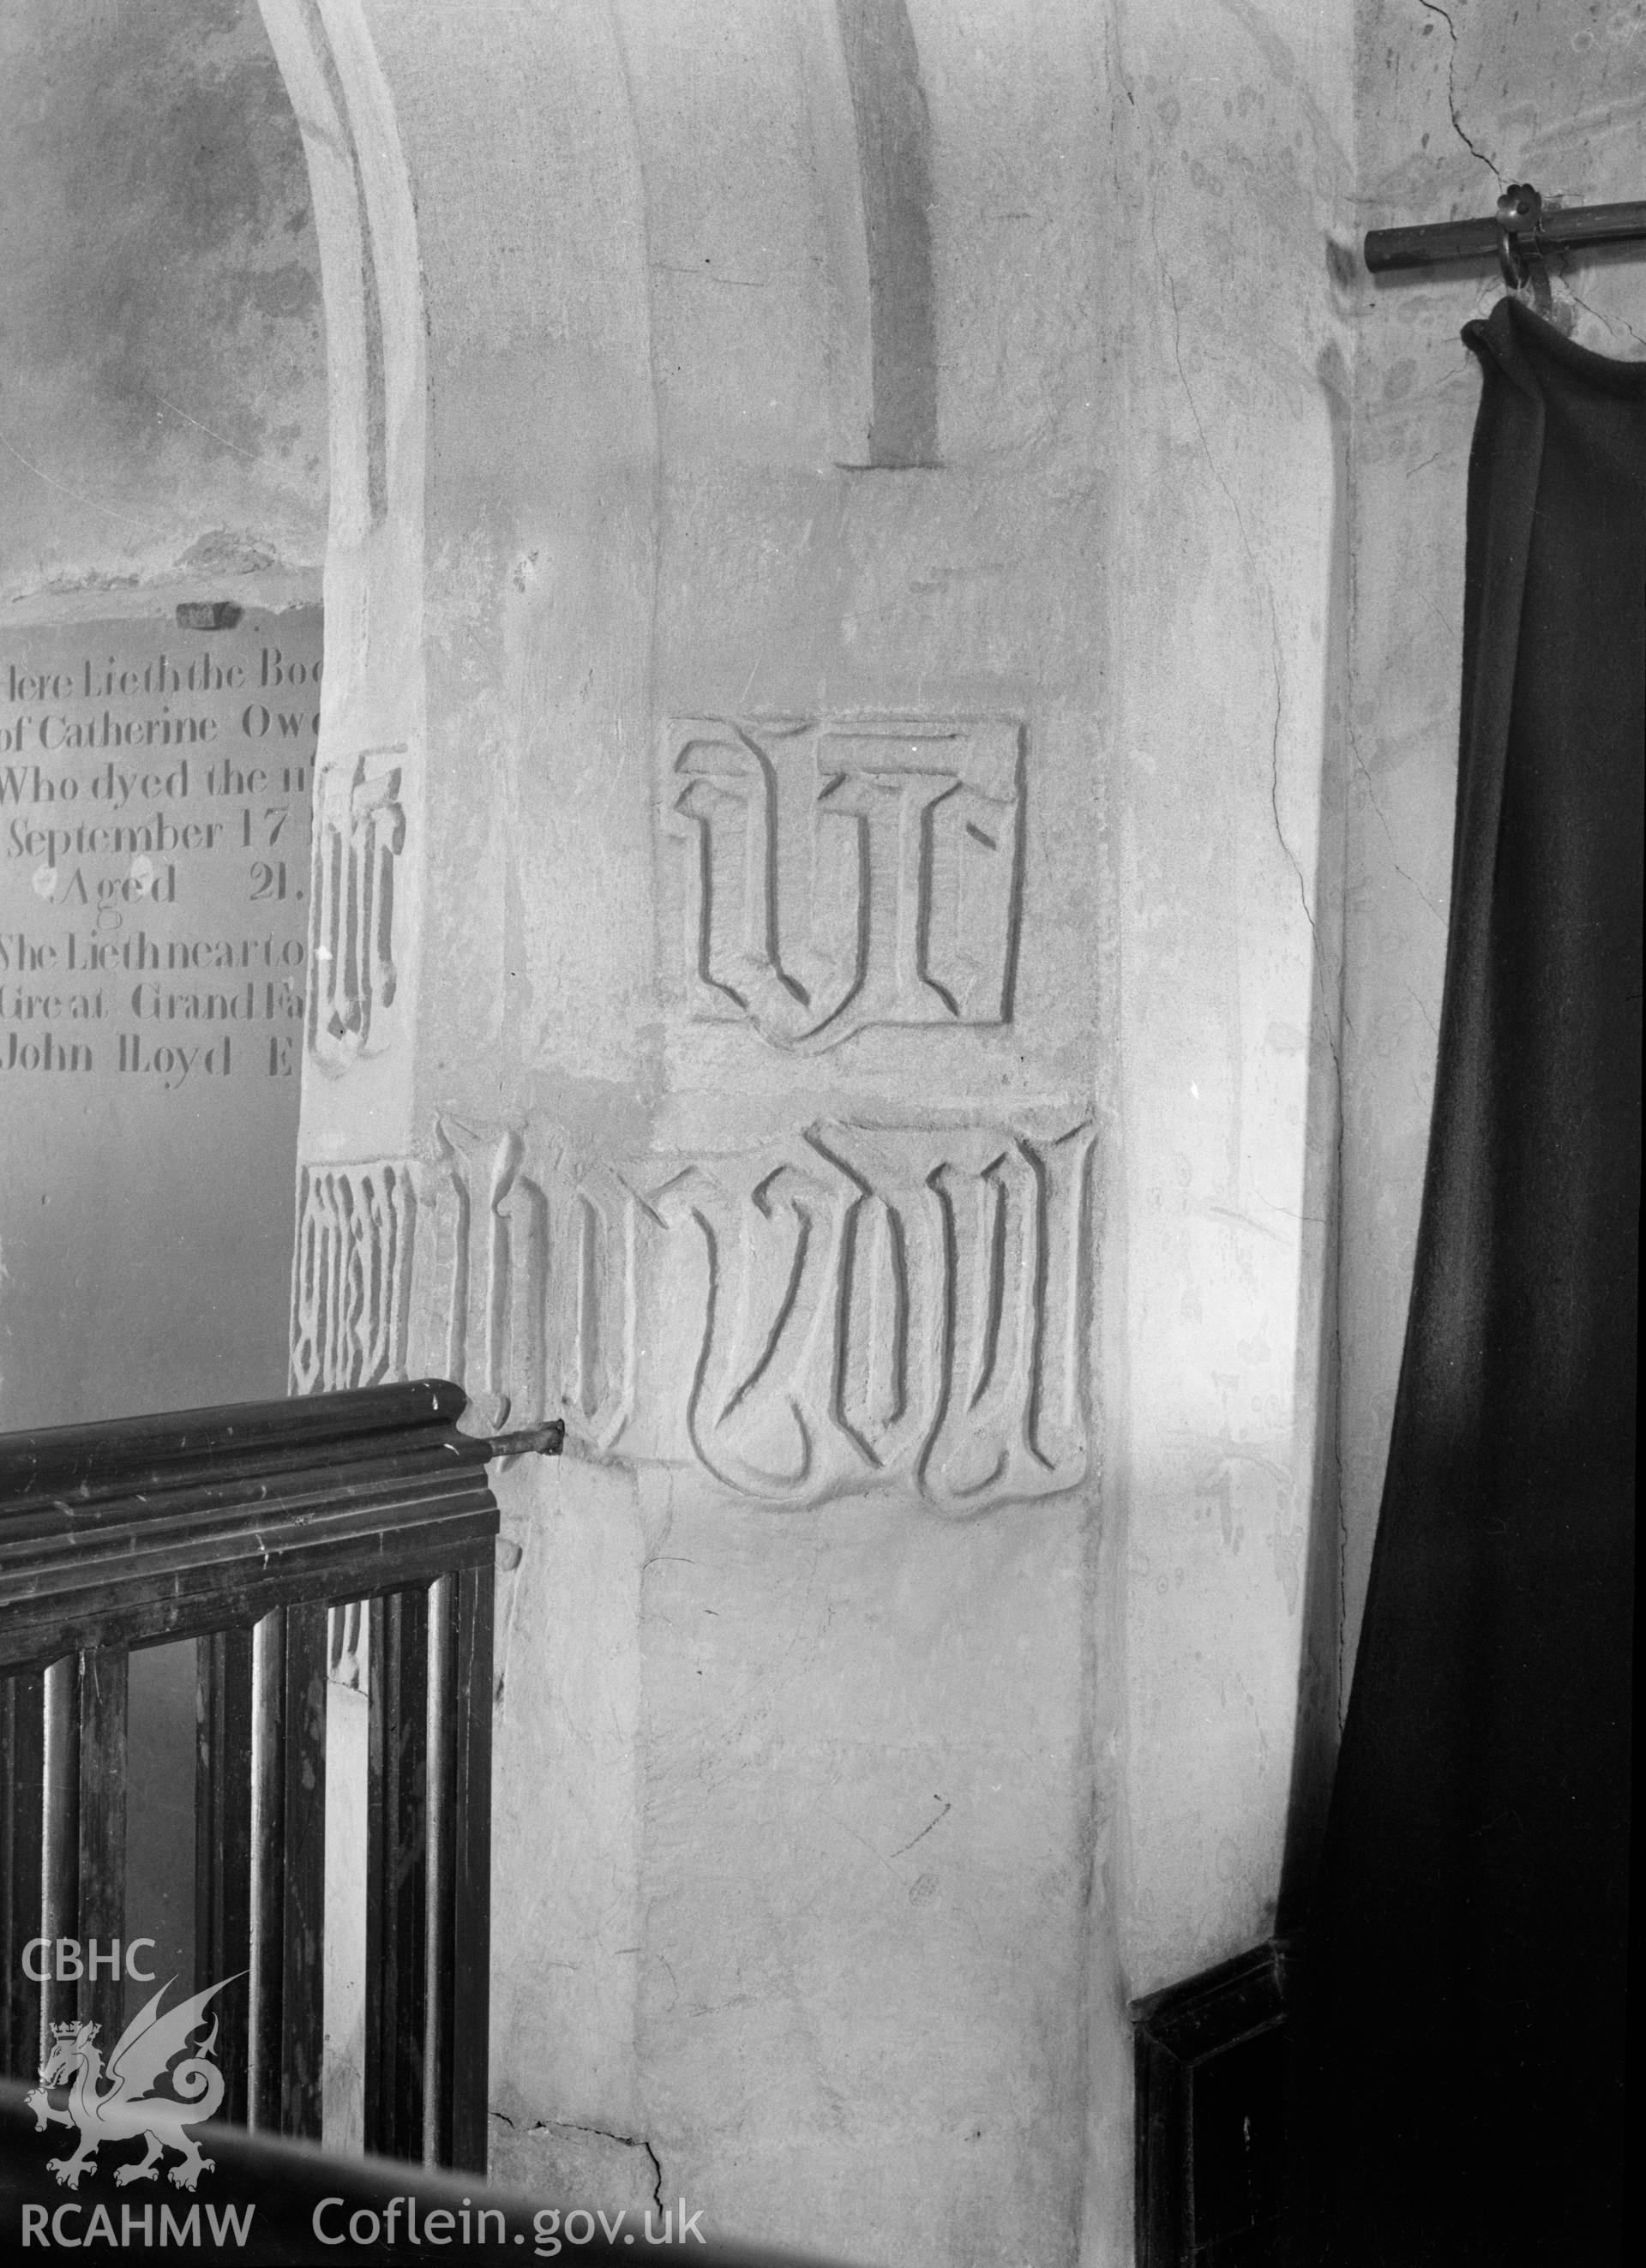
(441, 1832)
(463, 1989)
(204, 1523)
(1237, 2114)
(1210, 2115)
(22, 1765)
(288, 1870)
(471, 1919)
(104, 1681)
(302, 2030)
(1163, 2208)
(197, 1615)
(396, 1997)
(223, 1849)
(154, 1582)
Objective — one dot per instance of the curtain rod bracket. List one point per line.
(1552, 228)
(547, 1440)
(1520, 245)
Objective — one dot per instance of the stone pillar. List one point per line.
(1229, 575)
(819, 823)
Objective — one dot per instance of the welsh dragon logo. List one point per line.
(115, 2105)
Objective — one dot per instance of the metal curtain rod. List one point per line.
(1522, 225)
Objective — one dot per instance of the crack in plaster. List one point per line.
(146, 527)
(606, 2134)
(926, 1830)
(1292, 859)
(1371, 797)
(1611, 323)
(1267, 589)
(1473, 147)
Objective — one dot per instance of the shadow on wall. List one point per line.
(895, 166)
(1314, 1749)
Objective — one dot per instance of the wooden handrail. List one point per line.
(58, 1459)
(174, 1526)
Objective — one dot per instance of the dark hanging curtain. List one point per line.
(1462, 2073)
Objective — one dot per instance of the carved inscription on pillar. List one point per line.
(351, 1285)
(407, 1268)
(479, 1310)
(840, 875)
(361, 832)
(855, 1310)
(874, 1305)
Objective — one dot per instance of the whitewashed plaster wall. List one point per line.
(1452, 105)
(756, 426)
(1232, 171)
(162, 438)
(162, 391)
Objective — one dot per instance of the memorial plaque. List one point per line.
(156, 782)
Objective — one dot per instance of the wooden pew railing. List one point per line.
(241, 1527)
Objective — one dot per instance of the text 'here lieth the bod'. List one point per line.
(155, 793)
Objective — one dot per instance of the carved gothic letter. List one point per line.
(351, 1285)
(843, 874)
(360, 834)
